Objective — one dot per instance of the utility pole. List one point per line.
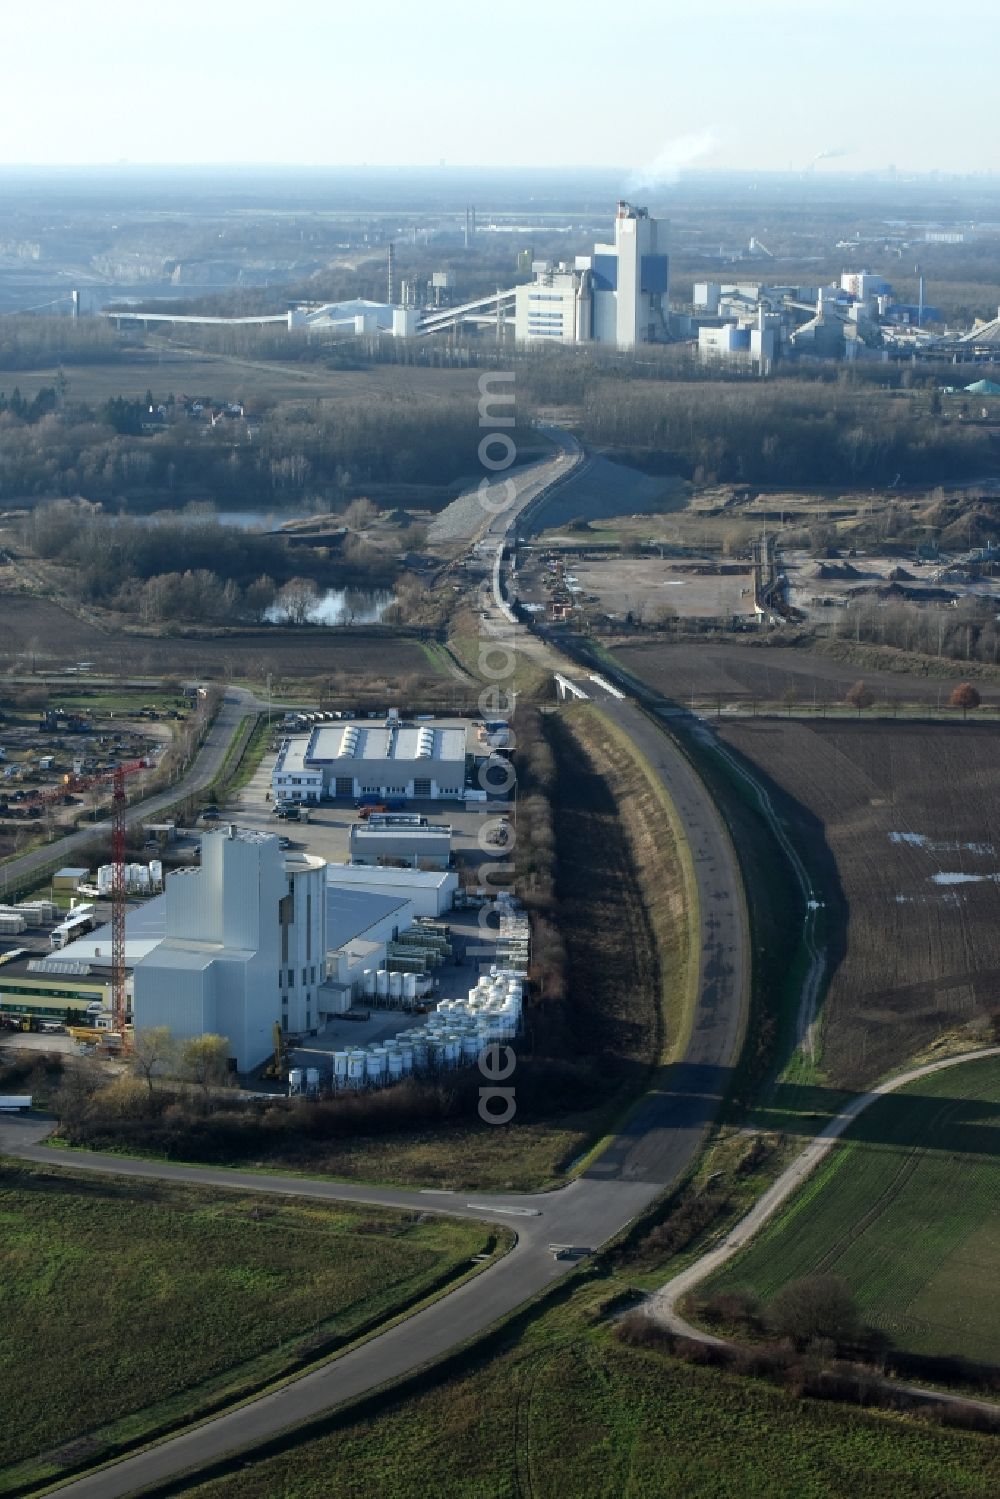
(118, 1001)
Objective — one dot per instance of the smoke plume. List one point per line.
(667, 165)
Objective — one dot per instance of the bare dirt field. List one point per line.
(900, 827)
(743, 673)
(36, 634)
(646, 586)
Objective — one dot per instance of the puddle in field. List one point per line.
(958, 878)
(942, 846)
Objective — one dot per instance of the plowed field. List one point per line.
(36, 634)
(900, 827)
(744, 674)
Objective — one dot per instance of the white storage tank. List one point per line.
(295, 1079)
(340, 1065)
(312, 1079)
(421, 1053)
(375, 1064)
(409, 986)
(156, 872)
(406, 1051)
(382, 983)
(369, 983)
(470, 1047)
(394, 1062)
(395, 986)
(356, 1068)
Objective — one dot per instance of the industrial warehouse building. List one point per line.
(430, 891)
(351, 760)
(401, 838)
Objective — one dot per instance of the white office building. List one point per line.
(617, 296)
(244, 946)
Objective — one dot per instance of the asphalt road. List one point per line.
(236, 705)
(661, 1138)
(659, 1141)
(666, 1130)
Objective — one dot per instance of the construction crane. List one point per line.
(116, 777)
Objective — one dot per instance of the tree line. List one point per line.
(316, 451)
(780, 433)
(191, 568)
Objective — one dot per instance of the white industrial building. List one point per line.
(244, 945)
(755, 342)
(401, 838)
(431, 892)
(360, 925)
(255, 936)
(616, 296)
(352, 760)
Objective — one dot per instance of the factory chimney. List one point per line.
(392, 274)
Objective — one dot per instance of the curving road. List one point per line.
(657, 1143)
(655, 1146)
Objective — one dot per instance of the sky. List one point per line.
(645, 86)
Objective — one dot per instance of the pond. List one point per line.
(339, 606)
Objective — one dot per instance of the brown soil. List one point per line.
(879, 809)
(745, 673)
(38, 634)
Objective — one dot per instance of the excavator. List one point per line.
(277, 1067)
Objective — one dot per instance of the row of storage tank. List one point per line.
(139, 878)
(453, 1036)
(394, 988)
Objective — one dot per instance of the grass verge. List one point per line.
(561, 1407)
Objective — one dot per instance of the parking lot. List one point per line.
(327, 833)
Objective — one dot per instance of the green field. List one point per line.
(566, 1412)
(125, 1305)
(907, 1211)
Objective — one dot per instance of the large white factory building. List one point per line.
(616, 296)
(256, 935)
(245, 932)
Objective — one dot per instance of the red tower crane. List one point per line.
(117, 777)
